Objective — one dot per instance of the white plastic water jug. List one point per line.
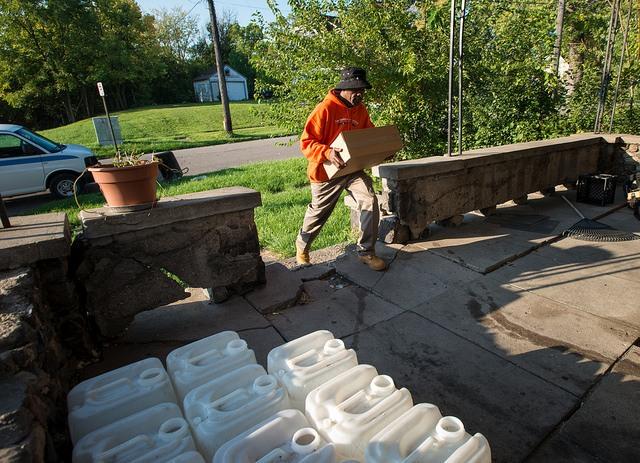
(305, 363)
(99, 401)
(225, 407)
(285, 437)
(354, 406)
(422, 435)
(189, 457)
(206, 359)
(156, 434)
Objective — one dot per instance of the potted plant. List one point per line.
(129, 183)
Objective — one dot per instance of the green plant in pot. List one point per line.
(129, 183)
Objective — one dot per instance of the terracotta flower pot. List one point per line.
(129, 187)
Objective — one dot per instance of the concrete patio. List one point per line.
(527, 337)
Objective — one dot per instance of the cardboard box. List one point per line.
(364, 148)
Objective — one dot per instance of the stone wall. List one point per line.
(43, 333)
(138, 261)
(439, 188)
(121, 264)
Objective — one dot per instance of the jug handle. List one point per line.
(108, 390)
(364, 417)
(125, 449)
(338, 411)
(212, 408)
(213, 353)
(291, 363)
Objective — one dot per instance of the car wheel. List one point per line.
(62, 185)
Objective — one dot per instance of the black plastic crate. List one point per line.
(597, 189)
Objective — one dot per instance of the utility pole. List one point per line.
(222, 81)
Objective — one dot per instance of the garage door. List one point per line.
(236, 91)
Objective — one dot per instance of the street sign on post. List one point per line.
(106, 111)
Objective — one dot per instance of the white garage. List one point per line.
(206, 86)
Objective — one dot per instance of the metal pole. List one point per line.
(452, 25)
(3, 214)
(222, 81)
(460, 65)
(606, 67)
(624, 45)
(113, 135)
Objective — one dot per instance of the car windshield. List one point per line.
(39, 140)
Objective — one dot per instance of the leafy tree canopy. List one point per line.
(510, 93)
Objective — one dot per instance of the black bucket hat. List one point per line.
(353, 78)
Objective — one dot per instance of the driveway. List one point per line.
(218, 157)
(198, 161)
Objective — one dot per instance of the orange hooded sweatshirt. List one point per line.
(325, 123)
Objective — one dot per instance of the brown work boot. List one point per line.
(302, 256)
(373, 261)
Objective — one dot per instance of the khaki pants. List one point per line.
(324, 197)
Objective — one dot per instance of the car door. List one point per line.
(21, 169)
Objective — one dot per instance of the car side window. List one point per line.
(12, 146)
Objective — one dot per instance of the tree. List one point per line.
(176, 32)
(44, 56)
(510, 91)
(54, 51)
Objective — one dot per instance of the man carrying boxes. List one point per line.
(341, 110)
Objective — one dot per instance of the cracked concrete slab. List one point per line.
(261, 341)
(619, 259)
(622, 220)
(513, 408)
(563, 345)
(603, 295)
(417, 276)
(342, 311)
(313, 272)
(605, 428)
(281, 290)
(350, 267)
(480, 246)
(193, 318)
(484, 244)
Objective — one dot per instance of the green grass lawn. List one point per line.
(285, 195)
(162, 128)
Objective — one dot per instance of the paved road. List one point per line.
(218, 157)
(198, 161)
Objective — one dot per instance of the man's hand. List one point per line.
(335, 159)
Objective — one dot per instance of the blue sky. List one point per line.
(241, 9)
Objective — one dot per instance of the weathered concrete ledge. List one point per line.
(437, 188)
(132, 262)
(33, 238)
(103, 221)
